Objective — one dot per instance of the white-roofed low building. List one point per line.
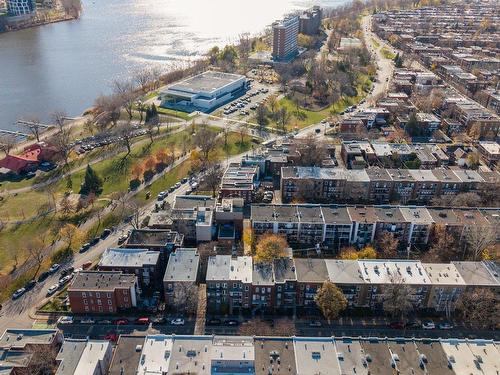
(141, 262)
(191, 355)
(84, 357)
(181, 276)
(155, 356)
(315, 356)
(446, 286)
(233, 355)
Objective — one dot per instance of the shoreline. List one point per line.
(30, 25)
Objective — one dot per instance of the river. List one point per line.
(66, 65)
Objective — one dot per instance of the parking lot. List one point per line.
(244, 107)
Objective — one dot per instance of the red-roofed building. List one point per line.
(29, 159)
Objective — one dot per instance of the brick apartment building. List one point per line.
(102, 292)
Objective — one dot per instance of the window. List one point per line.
(90, 294)
(85, 302)
(125, 291)
(98, 301)
(217, 285)
(100, 308)
(279, 289)
(86, 308)
(97, 295)
(269, 290)
(257, 289)
(108, 295)
(234, 286)
(125, 299)
(84, 295)
(111, 308)
(109, 302)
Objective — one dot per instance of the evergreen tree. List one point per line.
(92, 183)
(398, 61)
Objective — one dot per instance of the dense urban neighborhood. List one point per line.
(322, 198)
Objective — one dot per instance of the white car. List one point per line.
(429, 324)
(52, 289)
(177, 322)
(65, 320)
(54, 268)
(87, 321)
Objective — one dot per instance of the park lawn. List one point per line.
(22, 206)
(387, 54)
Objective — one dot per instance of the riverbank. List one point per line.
(10, 24)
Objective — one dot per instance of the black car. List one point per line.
(30, 285)
(43, 276)
(84, 248)
(214, 322)
(105, 233)
(94, 241)
(67, 271)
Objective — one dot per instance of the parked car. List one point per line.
(315, 323)
(54, 267)
(64, 280)
(142, 321)
(104, 321)
(105, 233)
(94, 241)
(67, 271)
(445, 325)
(30, 285)
(43, 276)
(428, 324)
(65, 320)
(413, 324)
(121, 322)
(18, 293)
(84, 248)
(177, 322)
(397, 325)
(111, 337)
(161, 195)
(317, 130)
(184, 180)
(159, 320)
(87, 321)
(52, 290)
(232, 322)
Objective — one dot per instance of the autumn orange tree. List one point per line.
(136, 171)
(330, 300)
(368, 252)
(269, 247)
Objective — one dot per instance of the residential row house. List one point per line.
(290, 284)
(332, 227)
(378, 185)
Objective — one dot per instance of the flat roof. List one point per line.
(311, 270)
(488, 354)
(351, 357)
(187, 202)
(206, 82)
(128, 257)
(127, 354)
(269, 352)
(443, 274)
(476, 273)
(436, 359)
(315, 356)
(336, 215)
(155, 356)
(262, 274)
(19, 338)
(152, 237)
(417, 215)
(362, 214)
(405, 357)
(344, 271)
(233, 348)
(95, 351)
(310, 214)
(182, 265)
(69, 356)
(389, 215)
(191, 356)
(224, 267)
(460, 357)
(284, 270)
(381, 271)
(379, 357)
(102, 281)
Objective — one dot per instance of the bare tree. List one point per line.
(185, 298)
(66, 206)
(89, 125)
(125, 132)
(34, 126)
(206, 140)
(257, 327)
(62, 141)
(107, 109)
(284, 118)
(477, 239)
(261, 116)
(36, 250)
(7, 143)
(58, 117)
(396, 298)
(213, 177)
(126, 94)
(134, 211)
(143, 79)
(479, 307)
(313, 152)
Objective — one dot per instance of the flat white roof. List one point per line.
(95, 351)
(389, 271)
(224, 267)
(351, 357)
(344, 271)
(443, 274)
(461, 358)
(316, 356)
(156, 353)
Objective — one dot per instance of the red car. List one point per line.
(142, 321)
(121, 322)
(111, 337)
(397, 325)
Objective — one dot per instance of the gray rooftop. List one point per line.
(206, 82)
(69, 356)
(314, 356)
(311, 270)
(188, 202)
(153, 237)
(19, 338)
(127, 354)
(271, 351)
(102, 281)
(476, 274)
(344, 271)
(191, 356)
(336, 215)
(128, 257)
(182, 265)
